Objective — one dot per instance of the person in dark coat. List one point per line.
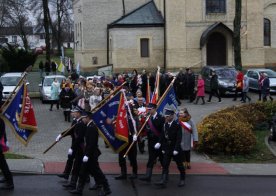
(154, 128)
(47, 68)
(71, 155)
(214, 87)
(144, 83)
(180, 84)
(170, 144)
(190, 85)
(77, 148)
(54, 68)
(151, 82)
(266, 88)
(66, 96)
(8, 179)
(90, 163)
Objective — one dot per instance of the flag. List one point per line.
(155, 95)
(169, 101)
(121, 131)
(19, 114)
(61, 67)
(105, 119)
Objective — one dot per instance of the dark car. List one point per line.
(226, 78)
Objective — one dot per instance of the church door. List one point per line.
(216, 49)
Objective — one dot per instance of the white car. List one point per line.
(45, 86)
(9, 82)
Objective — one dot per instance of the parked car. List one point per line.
(254, 76)
(226, 78)
(45, 86)
(9, 82)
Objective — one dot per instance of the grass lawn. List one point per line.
(56, 58)
(10, 155)
(260, 154)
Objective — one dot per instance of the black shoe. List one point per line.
(234, 99)
(209, 101)
(104, 191)
(133, 176)
(95, 187)
(65, 176)
(3, 180)
(76, 192)
(7, 186)
(121, 177)
(50, 109)
(69, 186)
(181, 183)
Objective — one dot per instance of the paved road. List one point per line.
(50, 124)
(47, 185)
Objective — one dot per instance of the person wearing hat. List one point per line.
(71, 155)
(170, 144)
(153, 128)
(90, 163)
(189, 133)
(76, 147)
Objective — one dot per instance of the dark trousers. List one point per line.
(236, 93)
(132, 157)
(69, 164)
(187, 156)
(197, 99)
(153, 154)
(168, 156)
(5, 169)
(78, 162)
(54, 102)
(92, 167)
(245, 96)
(214, 92)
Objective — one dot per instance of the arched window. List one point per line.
(267, 32)
(215, 6)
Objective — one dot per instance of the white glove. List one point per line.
(163, 151)
(8, 144)
(175, 152)
(85, 159)
(157, 146)
(70, 151)
(58, 138)
(134, 138)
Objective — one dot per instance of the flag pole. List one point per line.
(148, 117)
(64, 133)
(62, 136)
(28, 69)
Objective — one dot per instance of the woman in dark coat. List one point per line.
(66, 96)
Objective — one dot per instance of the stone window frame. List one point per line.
(147, 53)
(267, 32)
(220, 8)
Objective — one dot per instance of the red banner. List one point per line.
(121, 122)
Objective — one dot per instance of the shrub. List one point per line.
(228, 131)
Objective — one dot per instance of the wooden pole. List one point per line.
(158, 104)
(62, 136)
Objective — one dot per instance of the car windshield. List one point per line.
(270, 73)
(226, 73)
(49, 81)
(10, 81)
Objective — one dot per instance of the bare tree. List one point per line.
(17, 17)
(237, 35)
(46, 14)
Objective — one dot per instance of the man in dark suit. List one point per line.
(8, 179)
(90, 163)
(77, 148)
(169, 143)
(154, 128)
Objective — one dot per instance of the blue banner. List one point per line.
(105, 119)
(12, 114)
(169, 101)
